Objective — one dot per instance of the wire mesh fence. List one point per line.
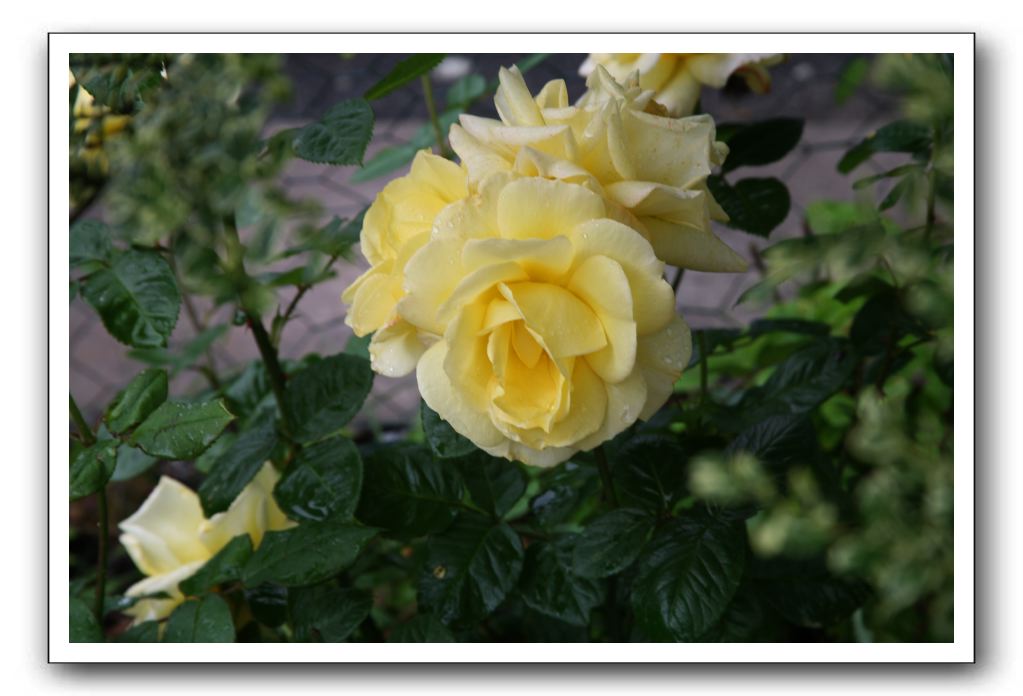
(803, 86)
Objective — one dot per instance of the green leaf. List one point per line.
(180, 430)
(802, 381)
(324, 481)
(205, 620)
(494, 484)
(897, 192)
(183, 358)
(834, 217)
(340, 137)
(610, 543)
(136, 401)
(742, 621)
(225, 566)
(756, 206)
(881, 323)
(306, 554)
(779, 441)
(404, 72)
(90, 243)
(442, 438)
(92, 468)
(84, 628)
(131, 462)
(470, 569)
(850, 78)
(336, 238)
(145, 632)
(890, 174)
(650, 473)
(236, 467)
(422, 628)
(687, 576)
(465, 91)
(334, 612)
(323, 397)
(136, 297)
(800, 326)
(550, 586)
(269, 603)
(805, 593)
(358, 346)
(408, 492)
(762, 143)
(899, 136)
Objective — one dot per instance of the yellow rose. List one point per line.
(676, 78)
(395, 227)
(552, 327)
(169, 539)
(650, 170)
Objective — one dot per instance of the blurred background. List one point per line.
(803, 86)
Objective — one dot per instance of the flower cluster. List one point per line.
(169, 538)
(677, 78)
(526, 285)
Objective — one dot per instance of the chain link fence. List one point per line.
(803, 86)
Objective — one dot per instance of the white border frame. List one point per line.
(961, 650)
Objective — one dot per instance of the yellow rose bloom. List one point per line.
(169, 538)
(650, 170)
(677, 78)
(394, 228)
(551, 326)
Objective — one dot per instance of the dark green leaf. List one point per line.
(779, 441)
(408, 492)
(610, 543)
(801, 326)
(323, 397)
(880, 323)
(225, 566)
(205, 620)
(469, 569)
(650, 473)
(687, 576)
(550, 586)
(306, 554)
(183, 358)
(756, 206)
(336, 238)
(494, 484)
(742, 620)
(334, 612)
(92, 468)
(893, 196)
(802, 381)
(358, 346)
(84, 628)
(404, 72)
(136, 297)
(422, 628)
(180, 430)
(136, 401)
(899, 136)
(90, 242)
(443, 439)
(131, 462)
(324, 481)
(236, 467)
(145, 632)
(891, 173)
(340, 137)
(712, 338)
(805, 593)
(269, 603)
(850, 78)
(763, 142)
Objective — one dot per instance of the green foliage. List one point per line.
(323, 482)
(760, 143)
(140, 398)
(226, 566)
(756, 206)
(332, 612)
(203, 620)
(181, 430)
(404, 72)
(340, 137)
(306, 554)
(233, 470)
(442, 438)
(92, 468)
(323, 397)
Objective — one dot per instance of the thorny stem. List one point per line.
(431, 108)
(273, 368)
(103, 523)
